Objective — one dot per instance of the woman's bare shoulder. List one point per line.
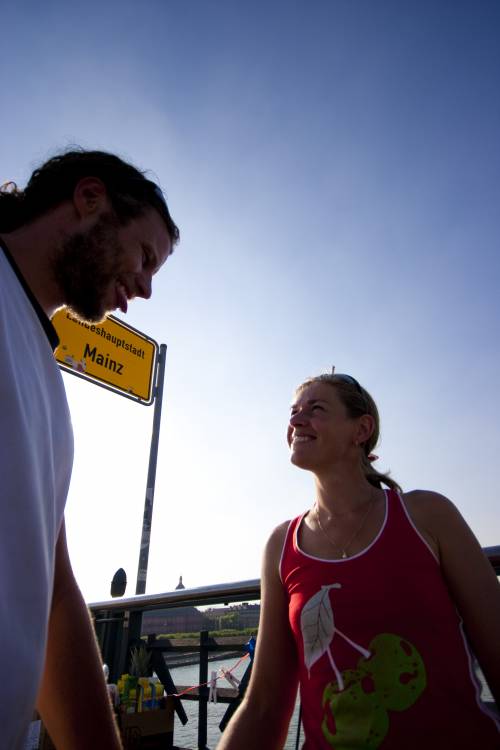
(431, 513)
(428, 505)
(277, 537)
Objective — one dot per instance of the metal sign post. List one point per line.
(116, 356)
(142, 570)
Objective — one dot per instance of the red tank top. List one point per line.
(383, 658)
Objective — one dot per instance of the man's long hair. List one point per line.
(128, 189)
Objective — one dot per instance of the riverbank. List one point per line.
(173, 660)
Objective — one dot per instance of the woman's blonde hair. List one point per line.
(357, 402)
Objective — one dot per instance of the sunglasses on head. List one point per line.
(348, 379)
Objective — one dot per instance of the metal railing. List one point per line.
(493, 555)
(118, 625)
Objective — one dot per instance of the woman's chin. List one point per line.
(300, 460)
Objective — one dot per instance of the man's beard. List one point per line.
(85, 268)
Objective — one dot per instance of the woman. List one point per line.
(363, 598)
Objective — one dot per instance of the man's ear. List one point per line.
(90, 197)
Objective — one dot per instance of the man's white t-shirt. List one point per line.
(36, 456)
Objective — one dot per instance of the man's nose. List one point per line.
(144, 286)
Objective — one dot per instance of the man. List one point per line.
(89, 231)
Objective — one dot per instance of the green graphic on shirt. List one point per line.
(354, 718)
(390, 679)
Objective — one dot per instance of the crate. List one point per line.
(149, 730)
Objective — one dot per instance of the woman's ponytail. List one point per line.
(376, 478)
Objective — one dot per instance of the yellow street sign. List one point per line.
(112, 354)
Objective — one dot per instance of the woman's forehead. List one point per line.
(315, 392)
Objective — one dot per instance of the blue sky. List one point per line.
(333, 167)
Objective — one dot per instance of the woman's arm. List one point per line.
(470, 578)
(262, 719)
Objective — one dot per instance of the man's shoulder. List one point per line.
(12, 292)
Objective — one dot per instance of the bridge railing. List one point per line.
(119, 624)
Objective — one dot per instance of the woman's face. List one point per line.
(320, 432)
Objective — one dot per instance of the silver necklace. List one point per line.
(343, 550)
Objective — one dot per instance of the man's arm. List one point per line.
(73, 700)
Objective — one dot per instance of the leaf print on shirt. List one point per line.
(318, 630)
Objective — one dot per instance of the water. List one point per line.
(187, 736)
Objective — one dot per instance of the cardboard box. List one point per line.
(149, 730)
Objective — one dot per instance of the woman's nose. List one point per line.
(297, 418)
